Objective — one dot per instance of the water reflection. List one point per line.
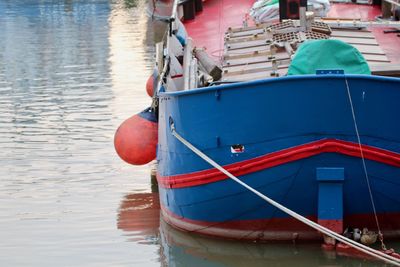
(139, 218)
(130, 3)
(182, 249)
(63, 91)
(131, 58)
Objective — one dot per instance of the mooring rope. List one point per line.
(367, 250)
(364, 165)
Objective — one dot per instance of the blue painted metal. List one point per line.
(148, 114)
(270, 115)
(330, 174)
(330, 193)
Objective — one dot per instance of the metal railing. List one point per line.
(163, 74)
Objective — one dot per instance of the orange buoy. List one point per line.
(150, 86)
(136, 138)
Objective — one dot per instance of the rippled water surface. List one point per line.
(70, 73)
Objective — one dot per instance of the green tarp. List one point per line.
(327, 55)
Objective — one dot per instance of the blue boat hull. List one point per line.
(294, 134)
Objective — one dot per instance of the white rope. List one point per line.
(363, 162)
(367, 250)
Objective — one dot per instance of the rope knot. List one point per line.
(380, 236)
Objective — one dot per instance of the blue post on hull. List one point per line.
(330, 198)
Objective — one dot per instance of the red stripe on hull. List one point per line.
(279, 158)
(277, 229)
(262, 230)
(334, 225)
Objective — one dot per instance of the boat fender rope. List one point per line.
(365, 249)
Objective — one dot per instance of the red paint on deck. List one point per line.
(389, 42)
(354, 11)
(208, 28)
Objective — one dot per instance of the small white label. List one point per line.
(237, 149)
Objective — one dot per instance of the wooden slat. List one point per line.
(254, 76)
(372, 62)
(373, 58)
(246, 38)
(364, 41)
(242, 29)
(393, 2)
(239, 68)
(245, 33)
(249, 50)
(266, 66)
(237, 55)
(386, 70)
(246, 60)
(250, 59)
(352, 34)
(254, 43)
(248, 56)
(368, 49)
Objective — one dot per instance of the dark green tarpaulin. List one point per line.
(327, 55)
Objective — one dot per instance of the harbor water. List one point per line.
(70, 72)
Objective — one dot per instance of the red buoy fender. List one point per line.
(136, 138)
(150, 86)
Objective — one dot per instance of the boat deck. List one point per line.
(209, 27)
(262, 51)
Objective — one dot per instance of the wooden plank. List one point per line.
(249, 50)
(374, 62)
(236, 55)
(248, 28)
(352, 34)
(369, 49)
(247, 38)
(374, 58)
(393, 2)
(366, 41)
(257, 44)
(386, 70)
(250, 58)
(240, 68)
(254, 43)
(255, 76)
(245, 33)
(231, 71)
(248, 55)
(377, 62)
(246, 60)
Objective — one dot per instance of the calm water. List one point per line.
(70, 73)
